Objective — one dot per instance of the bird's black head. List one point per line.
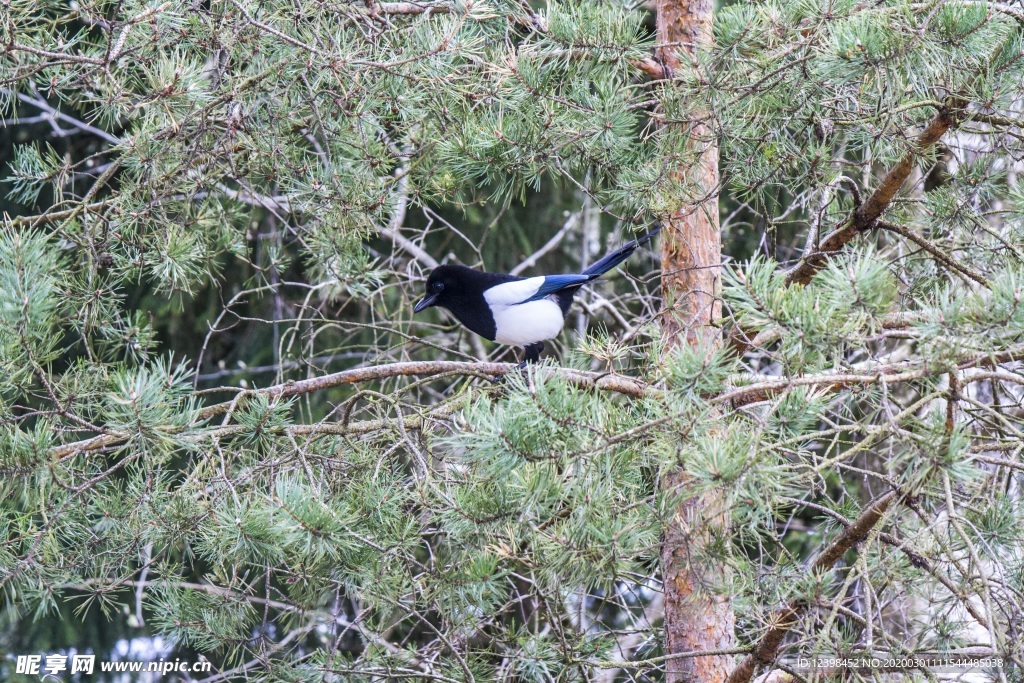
(444, 285)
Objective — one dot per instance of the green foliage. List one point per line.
(31, 170)
(849, 297)
(30, 306)
(241, 195)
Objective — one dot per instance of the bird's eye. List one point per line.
(437, 286)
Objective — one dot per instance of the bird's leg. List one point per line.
(531, 354)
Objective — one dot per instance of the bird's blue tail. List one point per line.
(619, 255)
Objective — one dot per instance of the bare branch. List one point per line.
(651, 67)
(411, 7)
(55, 216)
(934, 251)
(40, 103)
(393, 230)
(555, 240)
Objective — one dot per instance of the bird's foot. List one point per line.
(503, 377)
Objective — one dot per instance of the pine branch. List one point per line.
(556, 239)
(49, 54)
(785, 618)
(273, 31)
(870, 374)
(866, 216)
(739, 341)
(55, 216)
(589, 380)
(393, 230)
(615, 383)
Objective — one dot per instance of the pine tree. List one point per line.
(221, 425)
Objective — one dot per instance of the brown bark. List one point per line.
(691, 245)
(696, 619)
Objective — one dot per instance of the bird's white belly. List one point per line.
(527, 323)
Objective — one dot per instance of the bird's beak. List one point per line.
(425, 303)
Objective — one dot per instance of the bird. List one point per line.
(513, 310)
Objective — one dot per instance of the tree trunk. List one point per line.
(695, 618)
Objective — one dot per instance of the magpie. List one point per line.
(513, 310)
